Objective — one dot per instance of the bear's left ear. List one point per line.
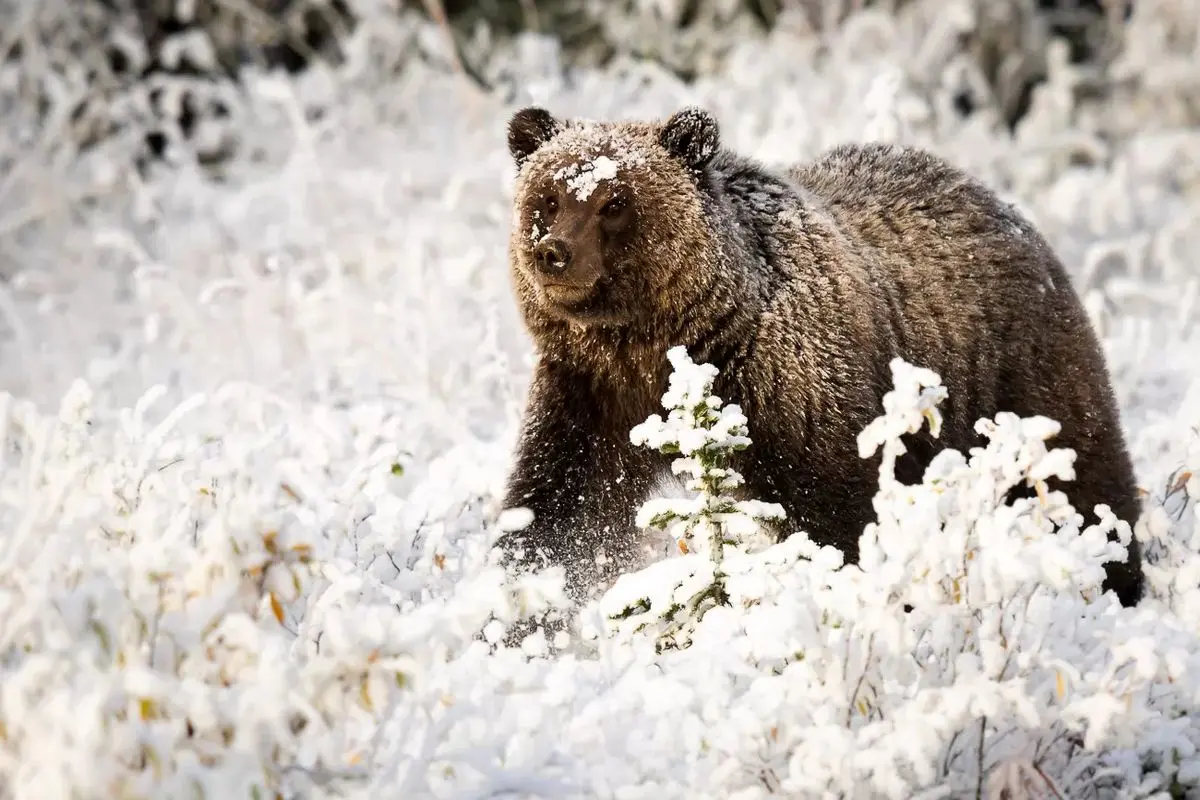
(691, 135)
(529, 129)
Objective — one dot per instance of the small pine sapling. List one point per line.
(705, 435)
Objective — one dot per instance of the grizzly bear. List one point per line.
(800, 285)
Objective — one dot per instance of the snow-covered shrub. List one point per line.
(237, 593)
(179, 617)
(1006, 669)
(1170, 525)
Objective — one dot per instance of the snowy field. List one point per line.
(255, 432)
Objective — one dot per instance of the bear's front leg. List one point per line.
(581, 480)
(549, 478)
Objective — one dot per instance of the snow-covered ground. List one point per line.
(247, 554)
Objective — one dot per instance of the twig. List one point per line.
(437, 12)
(950, 753)
(861, 677)
(979, 758)
(473, 84)
(1049, 783)
(529, 10)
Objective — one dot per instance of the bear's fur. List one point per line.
(800, 285)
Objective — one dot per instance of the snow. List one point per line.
(256, 431)
(583, 179)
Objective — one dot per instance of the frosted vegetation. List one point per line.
(256, 429)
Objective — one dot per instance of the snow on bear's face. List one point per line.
(598, 206)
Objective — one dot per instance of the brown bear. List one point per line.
(800, 285)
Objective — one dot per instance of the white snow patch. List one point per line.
(584, 178)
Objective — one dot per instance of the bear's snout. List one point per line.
(552, 256)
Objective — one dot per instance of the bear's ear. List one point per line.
(529, 129)
(691, 135)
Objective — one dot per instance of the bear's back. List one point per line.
(911, 205)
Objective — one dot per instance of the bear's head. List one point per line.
(610, 225)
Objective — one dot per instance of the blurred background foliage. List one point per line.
(171, 68)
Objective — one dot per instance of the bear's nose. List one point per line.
(552, 256)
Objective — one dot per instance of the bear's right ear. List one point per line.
(529, 129)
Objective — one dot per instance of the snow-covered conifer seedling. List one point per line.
(704, 434)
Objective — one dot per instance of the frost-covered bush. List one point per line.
(230, 608)
(163, 78)
(236, 593)
(1006, 671)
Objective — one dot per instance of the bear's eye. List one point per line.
(551, 203)
(613, 207)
